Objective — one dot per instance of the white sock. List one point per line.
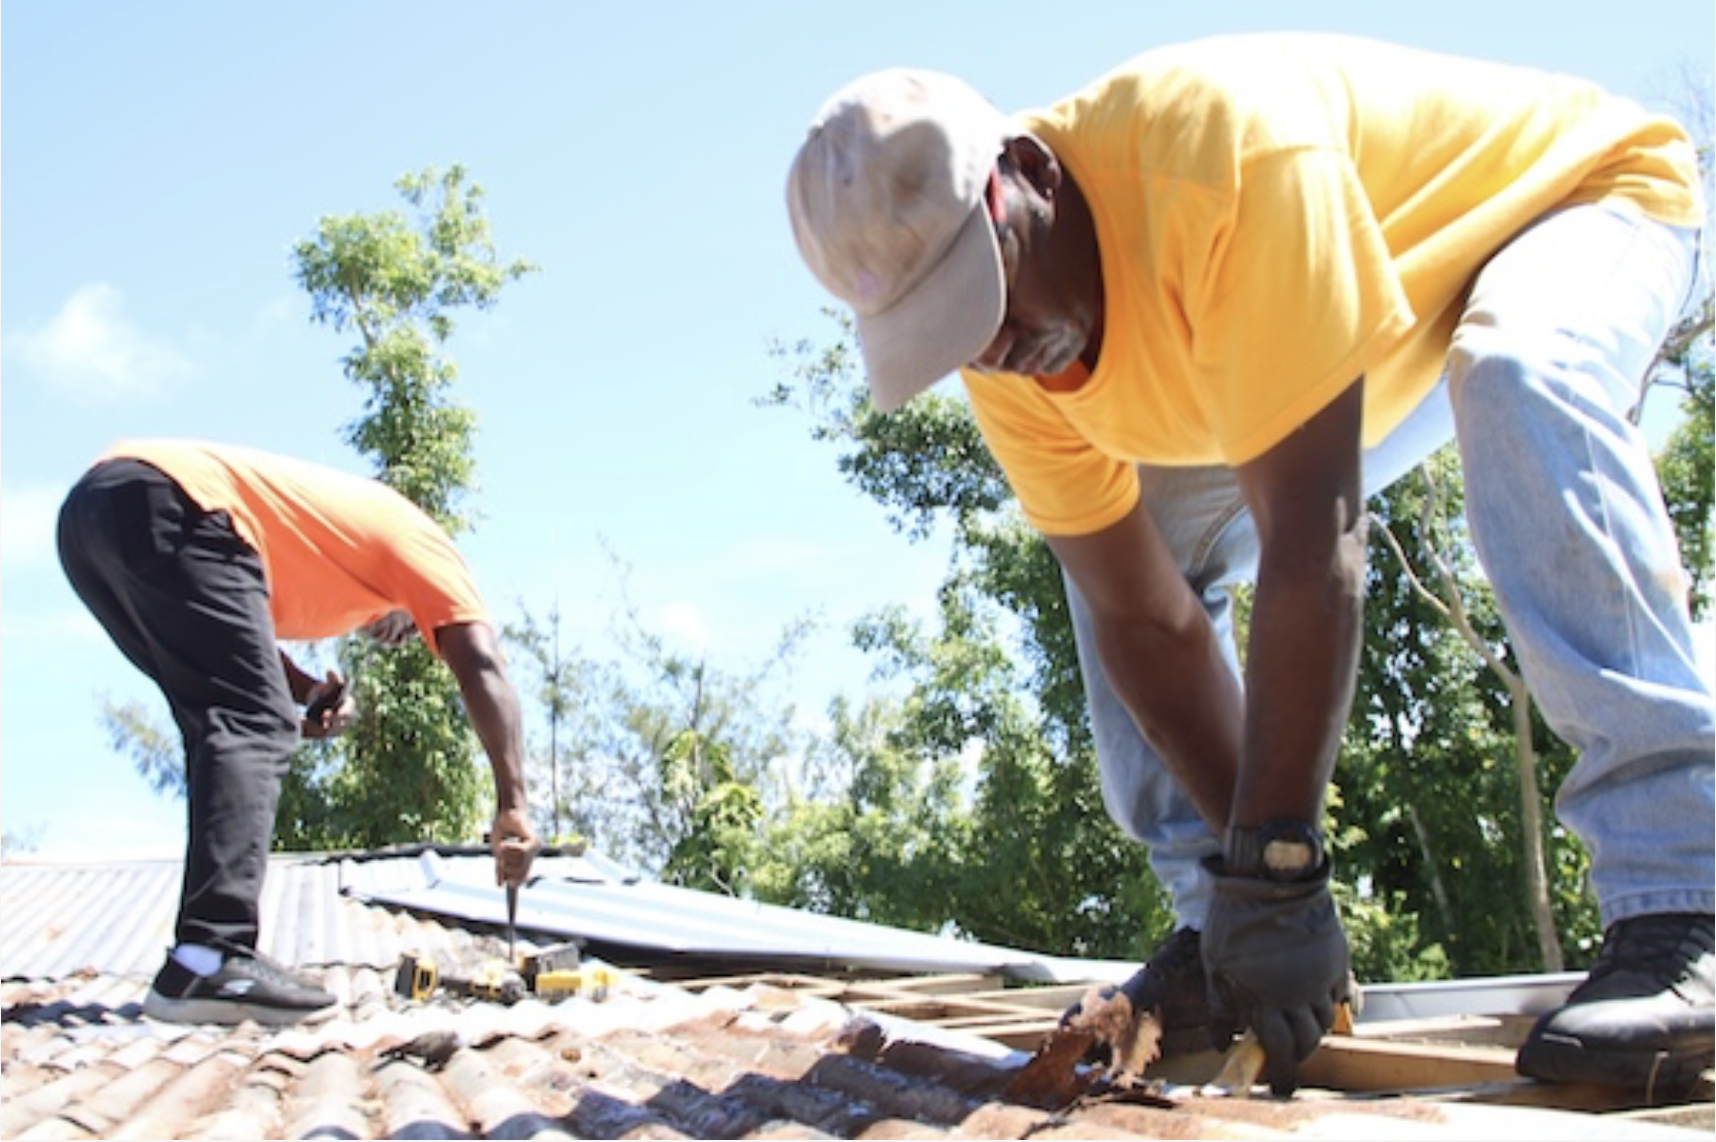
(197, 959)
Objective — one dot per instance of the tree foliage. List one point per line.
(675, 756)
(868, 838)
(156, 749)
(1687, 462)
(406, 769)
(572, 692)
(1024, 854)
(396, 282)
(1445, 768)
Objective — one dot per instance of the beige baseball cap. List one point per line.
(889, 204)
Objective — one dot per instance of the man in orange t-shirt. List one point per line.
(197, 558)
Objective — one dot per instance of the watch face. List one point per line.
(1289, 856)
(1279, 850)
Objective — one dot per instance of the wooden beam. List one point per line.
(1352, 1064)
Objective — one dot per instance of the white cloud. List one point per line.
(92, 350)
(28, 518)
(684, 621)
(57, 630)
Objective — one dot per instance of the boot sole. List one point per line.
(1559, 1059)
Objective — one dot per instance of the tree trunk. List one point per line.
(1448, 601)
(1531, 824)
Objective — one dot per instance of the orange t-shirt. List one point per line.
(338, 550)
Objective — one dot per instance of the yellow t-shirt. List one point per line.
(1281, 214)
(338, 550)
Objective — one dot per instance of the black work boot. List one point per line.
(1645, 1018)
(1171, 983)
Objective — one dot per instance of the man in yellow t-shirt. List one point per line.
(1204, 306)
(197, 558)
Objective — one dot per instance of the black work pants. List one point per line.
(186, 600)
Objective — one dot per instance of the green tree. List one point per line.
(156, 749)
(721, 842)
(676, 761)
(406, 770)
(872, 833)
(693, 748)
(1687, 462)
(396, 282)
(1035, 860)
(569, 689)
(1447, 769)
(1028, 857)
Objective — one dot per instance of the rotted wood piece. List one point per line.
(1054, 1079)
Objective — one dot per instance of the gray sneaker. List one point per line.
(247, 986)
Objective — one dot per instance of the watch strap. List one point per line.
(1286, 849)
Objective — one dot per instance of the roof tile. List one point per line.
(750, 1059)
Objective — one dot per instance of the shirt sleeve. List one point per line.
(1064, 484)
(429, 578)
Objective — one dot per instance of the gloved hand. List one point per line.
(1275, 958)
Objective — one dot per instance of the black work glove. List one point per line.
(1276, 961)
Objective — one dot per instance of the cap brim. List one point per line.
(942, 324)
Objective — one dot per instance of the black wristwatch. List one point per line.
(1283, 850)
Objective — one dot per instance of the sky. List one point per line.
(161, 160)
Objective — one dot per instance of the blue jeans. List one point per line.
(1568, 521)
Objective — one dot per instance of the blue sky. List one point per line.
(161, 160)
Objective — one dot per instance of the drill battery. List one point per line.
(552, 974)
(558, 972)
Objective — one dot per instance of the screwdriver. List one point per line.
(511, 923)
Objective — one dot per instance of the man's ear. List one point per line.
(1033, 159)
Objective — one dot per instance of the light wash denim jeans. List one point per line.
(1569, 524)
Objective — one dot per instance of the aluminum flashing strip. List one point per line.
(1491, 995)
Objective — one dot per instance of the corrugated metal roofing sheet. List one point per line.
(58, 919)
(590, 900)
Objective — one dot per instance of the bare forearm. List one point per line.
(472, 652)
(494, 712)
(1160, 654)
(1306, 499)
(1300, 670)
(1186, 701)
